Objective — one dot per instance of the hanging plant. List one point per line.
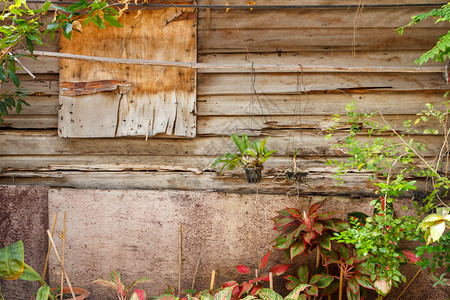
(251, 157)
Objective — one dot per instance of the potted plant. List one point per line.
(250, 157)
(296, 176)
(13, 266)
(80, 293)
(117, 284)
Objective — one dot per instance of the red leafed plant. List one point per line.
(324, 282)
(254, 286)
(117, 284)
(354, 275)
(301, 232)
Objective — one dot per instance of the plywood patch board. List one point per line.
(111, 100)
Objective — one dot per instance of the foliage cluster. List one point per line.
(23, 28)
(251, 155)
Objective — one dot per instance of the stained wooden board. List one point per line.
(161, 100)
(325, 18)
(316, 184)
(39, 105)
(44, 84)
(41, 65)
(257, 125)
(315, 39)
(194, 164)
(31, 121)
(319, 184)
(251, 126)
(317, 103)
(309, 143)
(217, 84)
(357, 59)
(324, 2)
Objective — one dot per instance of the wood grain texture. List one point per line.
(282, 83)
(327, 40)
(318, 103)
(324, 2)
(161, 100)
(309, 143)
(359, 58)
(392, 18)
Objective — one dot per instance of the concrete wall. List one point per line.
(24, 216)
(137, 232)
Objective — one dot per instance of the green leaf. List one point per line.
(325, 241)
(30, 275)
(112, 21)
(296, 292)
(30, 45)
(46, 6)
(43, 293)
(3, 77)
(364, 281)
(303, 274)
(13, 77)
(52, 26)
(324, 281)
(297, 248)
(268, 294)
(12, 261)
(224, 294)
(65, 9)
(140, 280)
(239, 144)
(98, 22)
(313, 291)
(67, 27)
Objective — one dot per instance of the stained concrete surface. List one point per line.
(24, 216)
(136, 233)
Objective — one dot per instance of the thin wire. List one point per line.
(245, 7)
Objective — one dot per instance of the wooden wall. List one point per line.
(293, 108)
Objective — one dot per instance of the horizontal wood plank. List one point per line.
(31, 121)
(316, 184)
(317, 103)
(43, 65)
(356, 59)
(39, 105)
(325, 2)
(258, 125)
(309, 143)
(217, 84)
(43, 85)
(324, 18)
(327, 40)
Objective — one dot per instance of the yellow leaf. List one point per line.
(251, 3)
(138, 13)
(228, 9)
(77, 25)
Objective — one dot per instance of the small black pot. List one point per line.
(296, 177)
(253, 175)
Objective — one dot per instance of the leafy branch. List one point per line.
(442, 48)
(22, 25)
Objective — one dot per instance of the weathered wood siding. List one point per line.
(293, 108)
(148, 100)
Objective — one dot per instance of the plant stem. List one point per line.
(409, 283)
(341, 281)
